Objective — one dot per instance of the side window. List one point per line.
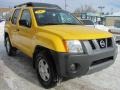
(26, 17)
(15, 16)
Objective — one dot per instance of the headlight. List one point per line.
(74, 46)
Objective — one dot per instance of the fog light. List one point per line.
(73, 67)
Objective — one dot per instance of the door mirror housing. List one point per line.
(24, 23)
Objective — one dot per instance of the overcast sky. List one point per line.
(72, 4)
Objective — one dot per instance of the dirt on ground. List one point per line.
(17, 73)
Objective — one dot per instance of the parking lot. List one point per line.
(17, 73)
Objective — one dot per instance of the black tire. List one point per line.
(11, 51)
(51, 82)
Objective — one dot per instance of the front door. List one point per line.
(26, 32)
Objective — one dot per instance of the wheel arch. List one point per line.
(5, 35)
(38, 49)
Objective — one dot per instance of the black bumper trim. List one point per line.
(64, 60)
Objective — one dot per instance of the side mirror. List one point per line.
(24, 23)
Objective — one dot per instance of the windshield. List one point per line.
(54, 17)
(87, 22)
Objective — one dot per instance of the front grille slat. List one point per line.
(103, 43)
(109, 42)
(92, 44)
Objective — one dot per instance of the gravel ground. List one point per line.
(16, 73)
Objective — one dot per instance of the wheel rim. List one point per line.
(44, 70)
(7, 45)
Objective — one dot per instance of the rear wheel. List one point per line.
(45, 71)
(11, 51)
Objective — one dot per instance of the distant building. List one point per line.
(95, 17)
(110, 20)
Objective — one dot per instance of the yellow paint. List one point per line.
(51, 36)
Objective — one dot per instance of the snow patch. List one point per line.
(2, 24)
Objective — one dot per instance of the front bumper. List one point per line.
(87, 63)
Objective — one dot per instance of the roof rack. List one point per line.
(32, 4)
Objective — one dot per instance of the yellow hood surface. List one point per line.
(78, 32)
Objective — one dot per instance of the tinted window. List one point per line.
(26, 16)
(57, 17)
(15, 16)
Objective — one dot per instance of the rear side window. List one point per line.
(15, 16)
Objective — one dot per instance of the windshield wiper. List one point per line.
(50, 24)
(60, 24)
(69, 24)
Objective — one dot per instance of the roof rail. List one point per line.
(35, 4)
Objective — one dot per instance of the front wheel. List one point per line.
(45, 71)
(11, 51)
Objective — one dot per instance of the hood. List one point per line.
(78, 32)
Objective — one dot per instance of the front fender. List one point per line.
(50, 41)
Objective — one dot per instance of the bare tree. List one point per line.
(85, 9)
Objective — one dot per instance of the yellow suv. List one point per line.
(60, 46)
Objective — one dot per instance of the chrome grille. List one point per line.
(101, 43)
(92, 44)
